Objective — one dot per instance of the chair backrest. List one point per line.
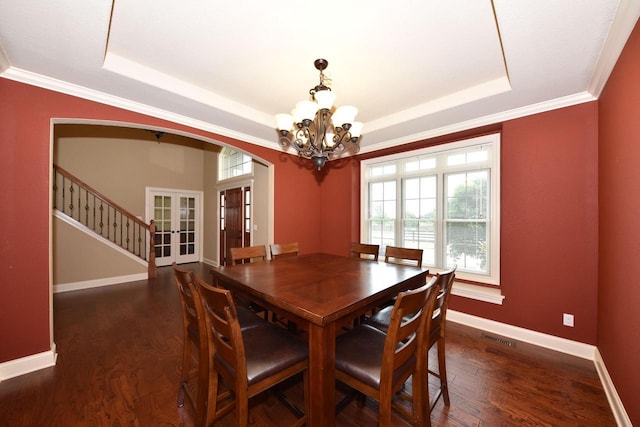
(194, 331)
(193, 321)
(224, 334)
(398, 255)
(247, 254)
(444, 283)
(284, 249)
(405, 332)
(358, 250)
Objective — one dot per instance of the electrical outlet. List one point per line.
(567, 319)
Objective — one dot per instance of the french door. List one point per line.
(177, 216)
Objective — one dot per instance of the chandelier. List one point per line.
(317, 130)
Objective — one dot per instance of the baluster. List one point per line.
(86, 208)
(101, 218)
(63, 194)
(71, 199)
(127, 234)
(55, 188)
(115, 225)
(79, 204)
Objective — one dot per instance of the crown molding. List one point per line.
(71, 89)
(623, 23)
(528, 110)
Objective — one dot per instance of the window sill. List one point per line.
(480, 293)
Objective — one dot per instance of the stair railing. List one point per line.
(81, 202)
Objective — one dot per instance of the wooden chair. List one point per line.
(193, 328)
(435, 334)
(247, 362)
(364, 251)
(377, 364)
(284, 249)
(404, 256)
(247, 254)
(398, 255)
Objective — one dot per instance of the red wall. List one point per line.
(25, 128)
(619, 209)
(549, 222)
(550, 253)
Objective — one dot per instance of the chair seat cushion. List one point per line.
(248, 319)
(359, 354)
(270, 349)
(382, 318)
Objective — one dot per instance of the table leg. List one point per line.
(322, 374)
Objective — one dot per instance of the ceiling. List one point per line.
(427, 68)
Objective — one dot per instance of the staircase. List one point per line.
(98, 213)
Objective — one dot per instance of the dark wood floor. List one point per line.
(119, 351)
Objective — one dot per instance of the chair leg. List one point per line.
(212, 400)
(242, 408)
(186, 356)
(385, 412)
(419, 398)
(181, 394)
(442, 367)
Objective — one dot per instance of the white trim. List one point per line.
(211, 262)
(95, 283)
(86, 230)
(623, 23)
(541, 107)
(23, 76)
(492, 295)
(563, 345)
(619, 413)
(493, 164)
(24, 365)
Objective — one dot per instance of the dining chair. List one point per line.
(405, 256)
(284, 249)
(435, 334)
(247, 362)
(250, 254)
(378, 364)
(194, 337)
(402, 256)
(364, 251)
(247, 254)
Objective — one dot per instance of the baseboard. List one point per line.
(619, 413)
(563, 345)
(86, 284)
(210, 262)
(25, 365)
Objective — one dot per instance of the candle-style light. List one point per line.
(315, 129)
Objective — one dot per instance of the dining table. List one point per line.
(320, 293)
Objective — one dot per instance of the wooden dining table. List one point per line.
(320, 293)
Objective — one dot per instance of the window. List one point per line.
(233, 163)
(444, 200)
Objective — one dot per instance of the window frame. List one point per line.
(223, 167)
(493, 278)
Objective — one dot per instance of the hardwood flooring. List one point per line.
(119, 353)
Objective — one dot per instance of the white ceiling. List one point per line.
(415, 69)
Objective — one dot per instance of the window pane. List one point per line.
(439, 200)
(466, 246)
(467, 196)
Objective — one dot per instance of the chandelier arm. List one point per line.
(318, 138)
